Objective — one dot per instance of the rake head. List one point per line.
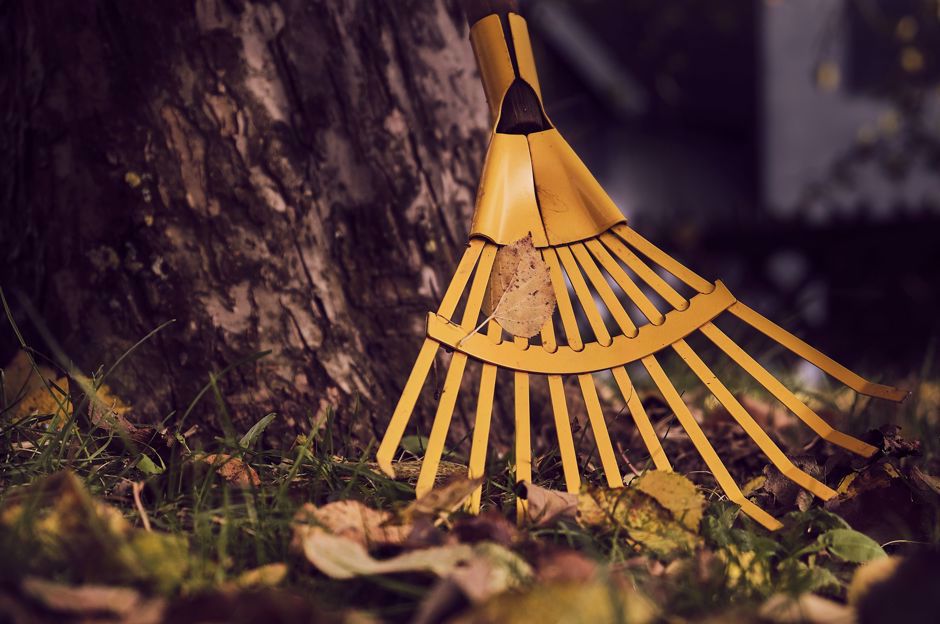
(534, 183)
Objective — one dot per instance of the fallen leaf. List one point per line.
(868, 574)
(20, 378)
(352, 520)
(674, 492)
(81, 599)
(232, 469)
(43, 401)
(519, 295)
(268, 575)
(491, 571)
(805, 608)
(564, 603)
(546, 506)
(561, 566)
(442, 501)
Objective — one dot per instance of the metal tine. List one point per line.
(481, 426)
(737, 411)
(810, 354)
(704, 448)
(548, 336)
(523, 431)
(784, 395)
(626, 283)
(604, 448)
(422, 366)
(565, 310)
(658, 256)
(627, 326)
(641, 419)
(648, 275)
(584, 296)
(569, 459)
(445, 407)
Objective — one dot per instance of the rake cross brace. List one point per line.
(534, 183)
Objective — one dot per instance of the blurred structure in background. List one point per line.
(790, 147)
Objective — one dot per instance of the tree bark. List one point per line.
(294, 176)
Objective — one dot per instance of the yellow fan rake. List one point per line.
(534, 183)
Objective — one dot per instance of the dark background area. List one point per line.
(786, 147)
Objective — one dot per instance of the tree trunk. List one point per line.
(294, 176)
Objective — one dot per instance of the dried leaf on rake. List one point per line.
(519, 295)
(442, 501)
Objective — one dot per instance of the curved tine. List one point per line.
(523, 434)
(703, 447)
(603, 289)
(626, 283)
(481, 426)
(548, 336)
(642, 419)
(584, 296)
(604, 448)
(645, 273)
(405, 407)
(737, 411)
(419, 373)
(810, 354)
(784, 395)
(569, 459)
(461, 276)
(445, 408)
(658, 256)
(568, 320)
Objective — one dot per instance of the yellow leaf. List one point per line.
(269, 575)
(519, 294)
(675, 493)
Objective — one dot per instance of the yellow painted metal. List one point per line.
(574, 205)
(587, 264)
(537, 184)
(409, 395)
(808, 353)
(641, 419)
(569, 460)
(626, 283)
(563, 301)
(737, 411)
(784, 395)
(596, 416)
(644, 272)
(445, 408)
(662, 259)
(592, 356)
(704, 448)
(493, 61)
(506, 207)
(584, 297)
(524, 57)
(481, 426)
(523, 433)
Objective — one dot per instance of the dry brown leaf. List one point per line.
(232, 469)
(82, 599)
(519, 295)
(351, 520)
(442, 501)
(805, 609)
(545, 505)
(869, 573)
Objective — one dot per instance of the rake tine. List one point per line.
(481, 426)
(663, 259)
(603, 289)
(523, 434)
(641, 419)
(810, 354)
(704, 448)
(569, 459)
(626, 283)
(548, 336)
(445, 408)
(784, 395)
(604, 448)
(648, 275)
(584, 296)
(422, 366)
(568, 320)
(737, 411)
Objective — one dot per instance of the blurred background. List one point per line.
(787, 147)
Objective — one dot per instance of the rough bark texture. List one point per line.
(294, 175)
